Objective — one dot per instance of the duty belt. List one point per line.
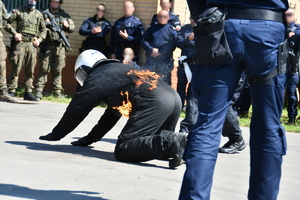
(27, 38)
(255, 14)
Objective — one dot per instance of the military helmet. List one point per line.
(84, 63)
(60, 1)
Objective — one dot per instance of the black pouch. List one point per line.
(211, 44)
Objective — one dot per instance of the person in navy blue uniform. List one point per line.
(159, 42)
(254, 30)
(96, 29)
(173, 18)
(292, 78)
(126, 32)
(186, 44)
(128, 55)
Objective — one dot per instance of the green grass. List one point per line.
(51, 98)
(245, 121)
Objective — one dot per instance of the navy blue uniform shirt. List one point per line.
(162, 37)
(134, 29)
(183, 42)
(90, 23)
(95, 41)
(197, 5)
(173, 20)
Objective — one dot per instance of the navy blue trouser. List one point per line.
(291, 93)
(254, 44)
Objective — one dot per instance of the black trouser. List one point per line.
(191, 113)
(231, 127)
(244, 101)
(149, 130)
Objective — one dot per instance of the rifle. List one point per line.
(55, 27)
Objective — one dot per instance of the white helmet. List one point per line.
(84, 63)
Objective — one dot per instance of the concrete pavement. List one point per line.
(41, 170)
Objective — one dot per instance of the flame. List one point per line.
(126, 108)
(145, 76)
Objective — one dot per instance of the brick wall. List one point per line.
(83, 9)
(296, 5)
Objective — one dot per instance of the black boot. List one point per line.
(48, 137)
(177, 147)
(81, 142)
(30, 97)
(58, 95)
(233, 145)
(39, 95)
(12, 94)
(4, 96)
(291, 121)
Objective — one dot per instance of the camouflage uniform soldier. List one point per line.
(30, 32)
(4, 96)
(53, 55)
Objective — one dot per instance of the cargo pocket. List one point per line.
(211, 45)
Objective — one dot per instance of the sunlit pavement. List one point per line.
(42, 170)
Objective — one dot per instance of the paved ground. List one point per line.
(35, 169)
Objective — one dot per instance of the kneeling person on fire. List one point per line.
(153, 108)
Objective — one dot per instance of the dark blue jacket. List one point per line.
(134, 28)
(90, 23)
(173, 20)
(186, 46)
(162, 37)
(197, 5)
(95, 39)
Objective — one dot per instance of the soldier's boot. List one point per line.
(30, 97)
(291, 121)
(233, 145)
(39, 94)
(4, 96)
(177, 146)
(81, 142)
(12, 94)
(58, 95)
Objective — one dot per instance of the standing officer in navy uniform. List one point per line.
(186, 44)
(126, 32)
(292, 79)
(255, 30)
(173, 18)
(95, 29)
(159, 42)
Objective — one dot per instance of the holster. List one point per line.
(280, 69)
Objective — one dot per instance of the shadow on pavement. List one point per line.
(113, 141)
(25, 192)
(84, 151)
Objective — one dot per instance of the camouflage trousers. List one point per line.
(3, 55)
(24, 54)
(53, 60)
